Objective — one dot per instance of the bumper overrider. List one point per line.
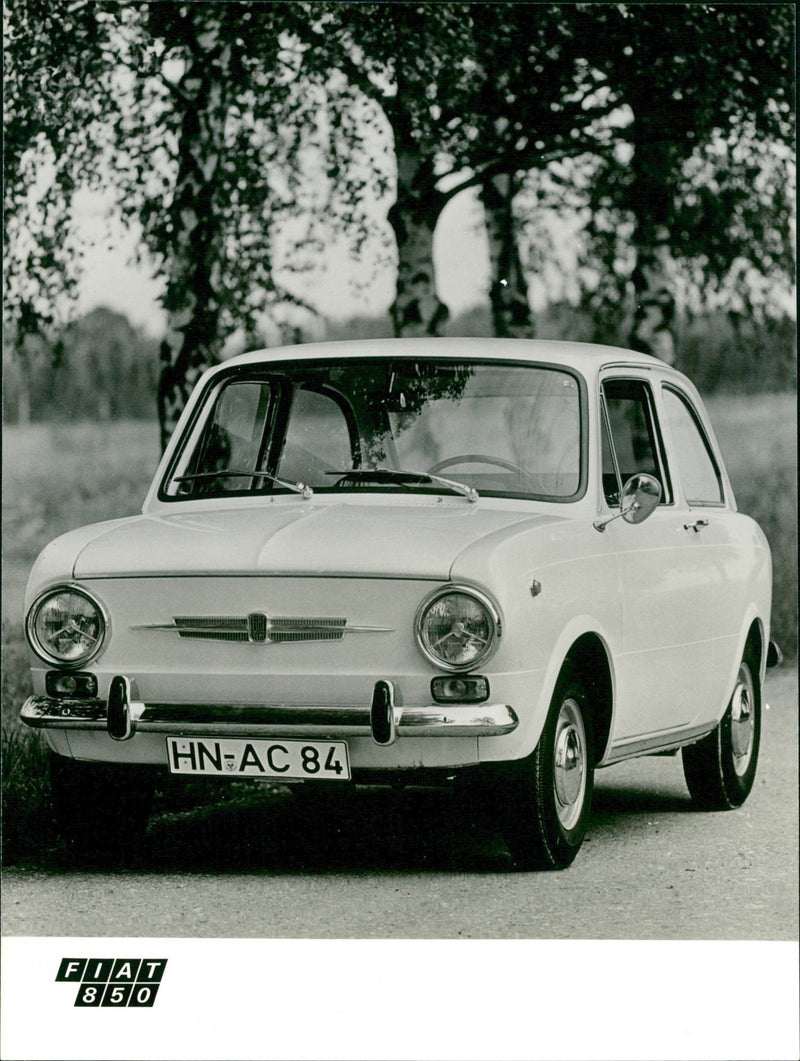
(123, 715)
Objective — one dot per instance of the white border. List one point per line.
(401, 999)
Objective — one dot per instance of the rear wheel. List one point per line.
(721, 768)
(101, 809)
(550, 801)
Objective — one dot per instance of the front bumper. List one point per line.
(122, 715)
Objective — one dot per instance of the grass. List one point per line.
(757, 435)
(27, 822)
(56, 477)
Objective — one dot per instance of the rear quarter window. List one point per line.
(692, 457)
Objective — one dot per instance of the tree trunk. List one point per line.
(417, 309)
(24, 363)
(192, 301)
(653, 282)
(508, 292)
(655, 302)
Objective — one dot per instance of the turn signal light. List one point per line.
(470, 689)
(80, 686)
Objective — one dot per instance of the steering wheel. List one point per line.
(480, 458)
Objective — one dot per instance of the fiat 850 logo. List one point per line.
(114, 982)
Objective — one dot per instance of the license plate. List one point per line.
(240, 758)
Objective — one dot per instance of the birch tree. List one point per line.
(539, 104)
(475, 95)
(414, 63)
(241, 105)
(670, 126)
(701, 178)
(54, 138)
(192, 245)
(200, 119)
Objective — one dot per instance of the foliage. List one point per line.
(249, 122)
(723, 353)
(413, 63)
(771, 499)
(758, 438)
(59, 112)
(27, 819)
(705, 151)
(198, 118)
(121, 113)
(649, 118)
(240, 136)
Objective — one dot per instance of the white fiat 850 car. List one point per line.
(413, 561)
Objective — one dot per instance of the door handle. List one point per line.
(696, 526)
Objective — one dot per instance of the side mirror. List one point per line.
(640, 497)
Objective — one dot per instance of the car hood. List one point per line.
(417, 540)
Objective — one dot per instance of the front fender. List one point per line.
(56, 562)
(534, 690)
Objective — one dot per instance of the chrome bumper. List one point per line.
(123, 715)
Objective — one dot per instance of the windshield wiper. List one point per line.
(232, 473)
(397, 475)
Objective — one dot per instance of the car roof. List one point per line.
(586, 357)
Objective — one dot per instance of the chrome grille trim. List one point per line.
(306, 629)
(213, 628)
(258, 628)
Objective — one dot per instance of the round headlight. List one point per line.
(457, 628)
(66, 626)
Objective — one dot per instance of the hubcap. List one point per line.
(742, 720)
(569, 768)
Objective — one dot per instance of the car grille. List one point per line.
(258, 627)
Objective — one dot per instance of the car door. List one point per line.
(732, 542)
(666, 583)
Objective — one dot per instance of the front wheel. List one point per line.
(549, 804)
(721, 768)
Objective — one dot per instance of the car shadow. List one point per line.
(376, 830)
(614, 800)
(364, 830)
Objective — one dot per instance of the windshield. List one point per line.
(421, 425)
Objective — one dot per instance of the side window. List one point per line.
(696, 466)
(317, 440)
(633, 446)
(233, 436)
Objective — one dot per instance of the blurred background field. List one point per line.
(60, 476)
(57, 476)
